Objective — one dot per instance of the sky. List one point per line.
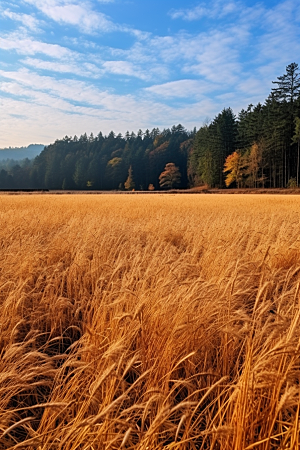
(73, 66)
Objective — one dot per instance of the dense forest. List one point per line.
(257, 148)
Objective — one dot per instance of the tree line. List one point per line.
(257, 148)
(107, 162)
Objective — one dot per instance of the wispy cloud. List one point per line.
(213, 56)
(77, 65)
(182, 89)
(73, 107)
(70, 89)
(27, 45)
(117, 113)
(281, 40)
(83, 69)
(26, 20)
(214, 9)
(217, 59)
(74, 80)
(76, 13)
(124, 68)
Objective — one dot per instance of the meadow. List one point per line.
(149, 322)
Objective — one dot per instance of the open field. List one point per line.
(150, 322)
(194, 190)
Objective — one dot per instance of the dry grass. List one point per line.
(149, 322)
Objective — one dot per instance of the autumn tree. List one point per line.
(234, 165)
(129, 183)
(253, 164)
(170, 177)
(212, 144)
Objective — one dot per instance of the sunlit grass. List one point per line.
(149, 322)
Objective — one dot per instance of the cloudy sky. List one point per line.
(74, 66)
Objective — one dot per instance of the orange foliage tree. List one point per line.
(129, 183)
(170, 177)
(235, 166)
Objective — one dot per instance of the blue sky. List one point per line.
(74, 66)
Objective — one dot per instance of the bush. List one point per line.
(292, 183)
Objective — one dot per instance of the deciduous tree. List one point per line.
(234, 165)
(129, 183)
(170, 177)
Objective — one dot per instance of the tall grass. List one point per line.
(149, 322)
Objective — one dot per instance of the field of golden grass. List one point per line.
(149, 322)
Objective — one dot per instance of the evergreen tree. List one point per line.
(288, 85)
(287, 93)
(213, 143)
(296, 140)
(203, 158)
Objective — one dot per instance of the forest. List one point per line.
(258, 147)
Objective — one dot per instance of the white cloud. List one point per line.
(73, 90)
(76, 13)
(118, 114)
(212, 10)
(73, 107)
(81, 68)
(27, 20)
(26, 45)
(215, 68)
(282, 14)
(190, 14)
(281, 41)
(182, 89)
(214, 55)
(254, 86)
(124, 68)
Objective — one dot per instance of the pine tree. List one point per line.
(203, 161)
(224, 128)
(287, 93)
(288, 84)
(296, 140)
(274, 126)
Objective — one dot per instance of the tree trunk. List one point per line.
(298, 163)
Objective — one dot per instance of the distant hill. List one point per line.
(20, 153)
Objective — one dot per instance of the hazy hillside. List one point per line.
(19, 153)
